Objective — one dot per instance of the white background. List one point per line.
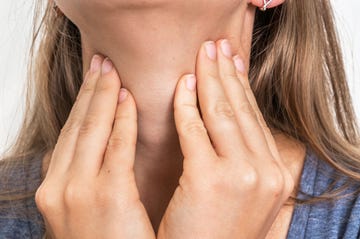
(15, 25)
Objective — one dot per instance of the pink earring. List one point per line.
(266, 4)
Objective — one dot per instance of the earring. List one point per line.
(266, 4)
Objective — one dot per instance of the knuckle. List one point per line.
(193, 128)
(275, 187)
(117, 141)
(212, 76)
(86, 90)
(249, 179)
(185, 106)
(88, 87)
(230, 77)
(245, 108)
(67, 130)
(72, 124)
(223, 109)
(70, 128)
(105, 86)
(89, 124)
(40, 198)
(124, 116)
(45, 199)
(274, 183)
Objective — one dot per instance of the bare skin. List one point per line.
(230, 178)
(291, 151)
(293, 154)
(150, 61)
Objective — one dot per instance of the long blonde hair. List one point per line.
(297, 75)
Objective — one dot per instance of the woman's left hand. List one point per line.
(234, 181)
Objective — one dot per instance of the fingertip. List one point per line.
(123, 95)
(108, 72)
(185, 92)
(126, 101)
(239, 64)
(210, 50)
(107, 66)
(94, 67)
(96, 63)
(241, 71)
(186, 83)
(130, 96)
(225, 48)
(190, 82)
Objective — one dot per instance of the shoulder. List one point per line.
(20, 228)
(19, 217)
(20, 176)
(339, 218)
(331, 220)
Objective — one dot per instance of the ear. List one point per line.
(269, 3)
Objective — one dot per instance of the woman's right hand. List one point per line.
(89, 190)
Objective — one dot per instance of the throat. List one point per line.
(151, 49)
(157, 174)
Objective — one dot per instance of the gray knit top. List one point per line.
(329, 220)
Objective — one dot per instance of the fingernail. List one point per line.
(239, 64)
(123, 95)
(226, 48)
(191, 82)
(107, 66)
(210, 48)
(95, 63)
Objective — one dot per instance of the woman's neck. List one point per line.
(152, 48)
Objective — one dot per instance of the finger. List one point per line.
(121, 147)
(65, 147)
(97, 126)
(218, 115)
(250, 128)
(193, 137)
(244, 80)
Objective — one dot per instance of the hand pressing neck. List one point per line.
(151, 46)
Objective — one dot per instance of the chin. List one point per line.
(116, 5)
(111, 5)
(90, 14)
